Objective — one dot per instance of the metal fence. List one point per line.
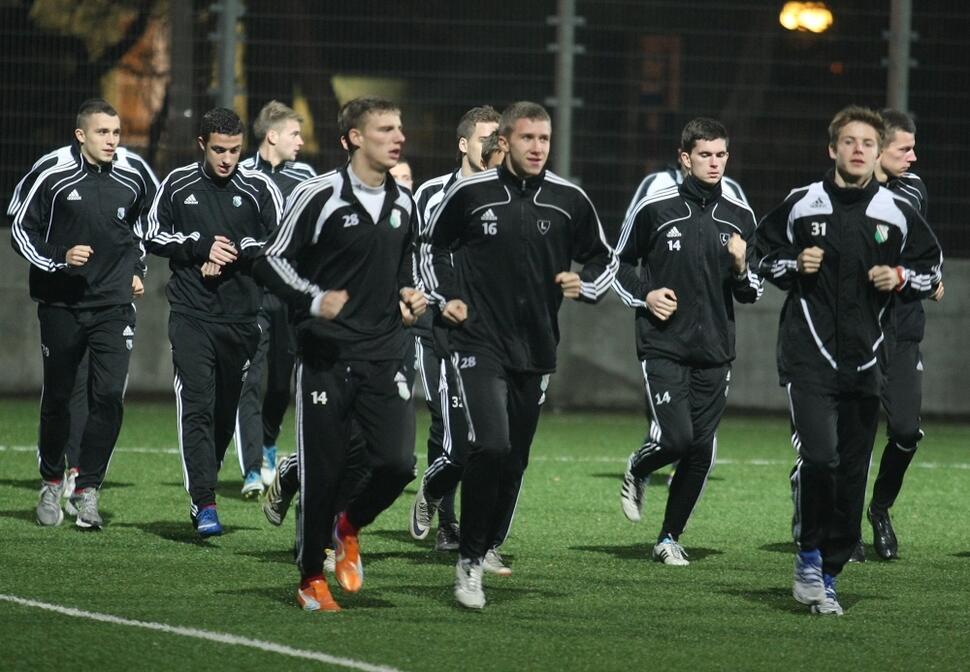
(642, 70)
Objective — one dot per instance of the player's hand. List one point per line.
(937, 294)
(137, 286)
(885, 278)
(570, 283)
(222, 251)
(738, 249)
(810, 260)
(211, 270)
(78, 255)
(455, 312)
(331, 304)
(414, 300)
(662, 303)
(407, 317)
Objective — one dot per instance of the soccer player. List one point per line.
(210, 219)
(673, 176)
(694, 246)
(342, 259)
(278, 130)
(492, 154)
(902, 392)
(841, 248)
(76, 223)
(447, 437)
(496, 259)
(401, 172)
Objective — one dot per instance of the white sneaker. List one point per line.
(494, 564)
(808, 586)
(830, 605)
(329, 561)
(468, 584)
(669, 552)
(48, 511)
(422, 513)
(631, 493)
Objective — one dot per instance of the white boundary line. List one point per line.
(547, 458)
(219, 637)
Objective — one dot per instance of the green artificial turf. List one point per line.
(584, 594)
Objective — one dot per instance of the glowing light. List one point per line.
(813, 17)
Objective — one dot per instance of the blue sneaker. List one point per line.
(830, 605)
(808, 587)
(268, 470)
(252, 485)
(207, 522)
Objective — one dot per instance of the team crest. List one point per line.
(395, 219)
(121, 213)
(725, 237)
(237, 201)
(544, 225)
(882, 233)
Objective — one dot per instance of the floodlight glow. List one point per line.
(813, 17)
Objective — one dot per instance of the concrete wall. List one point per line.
(597, 361)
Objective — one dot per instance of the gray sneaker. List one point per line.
(423, 511)
(86, 502)
(49, 513)
(494, 564)
(274, 503)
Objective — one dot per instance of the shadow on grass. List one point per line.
(645, 551)
(785, 547)
(962, 554)
(656, 478)
(182, 531)
(285, 593)
(281, 556)
(399, 535)
(780, 599)
(21, 514)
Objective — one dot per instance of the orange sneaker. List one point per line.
(314, 595)
(348, 569)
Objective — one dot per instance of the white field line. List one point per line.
(208, 635)
(545, 458)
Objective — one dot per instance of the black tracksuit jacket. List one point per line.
(190, 209)
(908, 316)
(65, 201)
(679, 239)
(328, 241)
(831, 333)
(285, 176)
(497, 242)
(427, 198)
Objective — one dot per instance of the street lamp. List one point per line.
(813, 17)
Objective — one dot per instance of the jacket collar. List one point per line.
(221, 181)
(522, 184)
(86, 165)
(849, 195)
(264, 166)
(391, 192)
(694, 190)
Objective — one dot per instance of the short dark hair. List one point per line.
(701, 128)
(353, 113)
(220, 120)
(274, 112)
(896, 120)
(489, 147)
(484, 114)
(852, 113)
(94, 106)
(522, 109)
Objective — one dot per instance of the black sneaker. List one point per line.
(858, 553)
(883, 536)
(448, 537)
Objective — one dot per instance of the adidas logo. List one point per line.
(191, 200)
(489, 216)
(128, 331)
(74, 196)
(817, 203)
(673, 232)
